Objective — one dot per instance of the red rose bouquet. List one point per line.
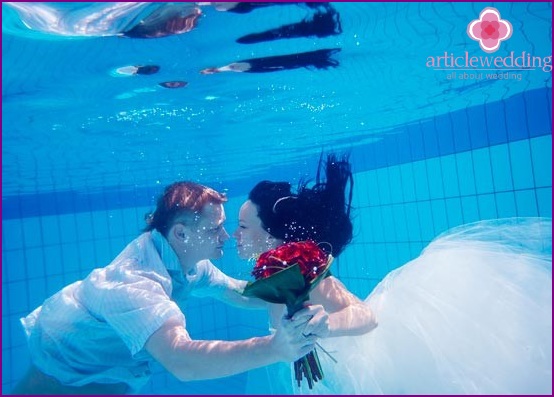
(286, 275)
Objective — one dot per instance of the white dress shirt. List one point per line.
(94, 330)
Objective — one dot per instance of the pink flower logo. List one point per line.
(489, 30)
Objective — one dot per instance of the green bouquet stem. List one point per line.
(307, 366)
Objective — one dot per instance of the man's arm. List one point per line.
(218, 285)
(189, 359)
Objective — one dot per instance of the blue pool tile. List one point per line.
(362, 193)
(66, 202)
(399, 216)
(378, 255)
(20, 359)
(134, 220)
(449, 176)
(4, 268)
(526, 203)
(443, 128)
(392, 256)
(539, 114)
(16, 330)
(395, 183)
(378, 153)
(470, 209)
(69, 228)
(50, 230)
(421, 181)
(375, 221)
(440, 217)
(15, 265)
(27, 205)
(389, 228)
(544, 199)
(515, 118)
(454, 211)
(30, 236)
(37, 292)
(549, 103)
(84, 220)
(482, 171)
(53, 261)
(412, 221)
(408, 182)
(18, 297)
(384, 189)
(487, 206)
(426, 220)
(496, 123)
(416, 247)
(34, 261)
(522, 169)
(460, 131)
(403, 146)
(12, 236)
(100, 225)
(88, 258)
(6, 368)
(391, 149)
(501, 168)
(70, 255)
(541, 154)
(477, 127)
(415, 136)
(506, 204)
(46, 207)
(430, 142)
(435, 176)
(404, 253)
(466, 177)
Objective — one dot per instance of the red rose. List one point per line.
(306, 254)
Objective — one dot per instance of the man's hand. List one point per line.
(291, 341)
(297, 336)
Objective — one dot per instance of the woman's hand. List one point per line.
(316, 321)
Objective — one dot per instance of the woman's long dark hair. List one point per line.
(320, 213)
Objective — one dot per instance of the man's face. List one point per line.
(208, 235)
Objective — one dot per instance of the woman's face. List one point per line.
(251, 237)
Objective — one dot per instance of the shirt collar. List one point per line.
(169, 257)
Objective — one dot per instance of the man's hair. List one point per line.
(178, 200)
(320, 213)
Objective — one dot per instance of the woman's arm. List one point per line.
(348, 315)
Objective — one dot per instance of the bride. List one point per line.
(471, 315)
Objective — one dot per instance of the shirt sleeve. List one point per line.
(212, 282)
(134, 303)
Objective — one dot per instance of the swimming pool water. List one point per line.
(86, 152)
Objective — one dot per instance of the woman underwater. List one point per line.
(471, 315)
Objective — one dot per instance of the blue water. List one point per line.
(85, 151)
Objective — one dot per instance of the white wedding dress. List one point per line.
(471, 315)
